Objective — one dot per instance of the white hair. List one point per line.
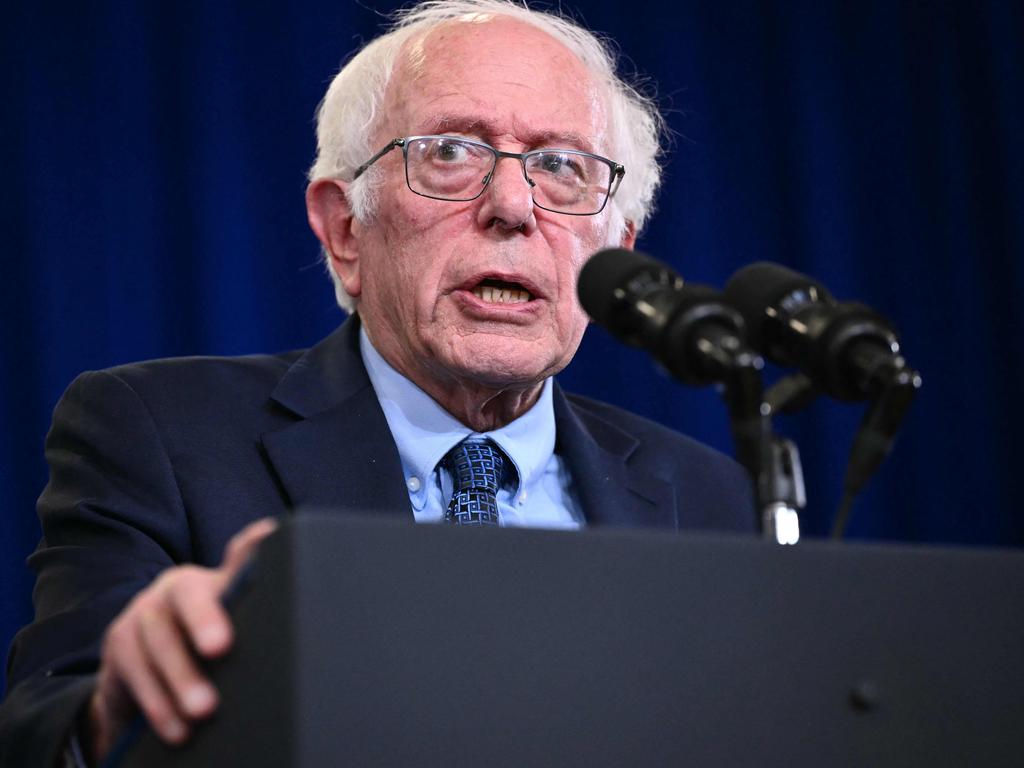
(350, 112)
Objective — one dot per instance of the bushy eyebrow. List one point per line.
(486, 130)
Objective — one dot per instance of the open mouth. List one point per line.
(494, 291)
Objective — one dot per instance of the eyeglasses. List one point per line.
(455, 169)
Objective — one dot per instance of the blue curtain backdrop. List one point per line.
(153, 175)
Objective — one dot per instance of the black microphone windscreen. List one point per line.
(758, 286)
(603, 273)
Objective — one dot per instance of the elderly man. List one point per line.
(469, 162)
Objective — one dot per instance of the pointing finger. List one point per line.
(243, 543)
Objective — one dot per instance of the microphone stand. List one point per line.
(772, 461)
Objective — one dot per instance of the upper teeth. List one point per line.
(501, 295)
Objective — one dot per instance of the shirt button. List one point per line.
(413, 483)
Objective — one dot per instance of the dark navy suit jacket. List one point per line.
(159, 463)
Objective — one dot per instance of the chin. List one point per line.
(501, 362)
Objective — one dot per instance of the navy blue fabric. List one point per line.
(153, 161)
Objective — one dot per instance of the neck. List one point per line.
(482, 408)
(482, 405)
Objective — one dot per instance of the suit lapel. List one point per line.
(339, 454)
(612, 493)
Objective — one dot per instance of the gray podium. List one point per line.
(380, 644)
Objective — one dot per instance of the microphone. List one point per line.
(847, 349)
(689, 329)
(699, 339)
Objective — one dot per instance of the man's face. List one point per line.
(421, 262)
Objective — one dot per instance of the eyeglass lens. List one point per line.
(562, 180)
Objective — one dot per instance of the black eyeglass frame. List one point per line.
(615, 170)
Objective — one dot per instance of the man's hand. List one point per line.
(148, 656)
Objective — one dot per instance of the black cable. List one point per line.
(842, 514)
(876, 435)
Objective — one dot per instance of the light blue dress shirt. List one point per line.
(539, 496)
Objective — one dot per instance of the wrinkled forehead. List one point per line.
(504, 76)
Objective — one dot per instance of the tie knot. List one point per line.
(476, 464)
(477, 467)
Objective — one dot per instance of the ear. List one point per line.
(628, 236)
(331, 218)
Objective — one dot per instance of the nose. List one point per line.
(508, 200)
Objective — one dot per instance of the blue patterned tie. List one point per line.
(477, 467)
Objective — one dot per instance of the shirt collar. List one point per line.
(424, 431)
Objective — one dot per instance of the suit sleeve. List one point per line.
(112, 519)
